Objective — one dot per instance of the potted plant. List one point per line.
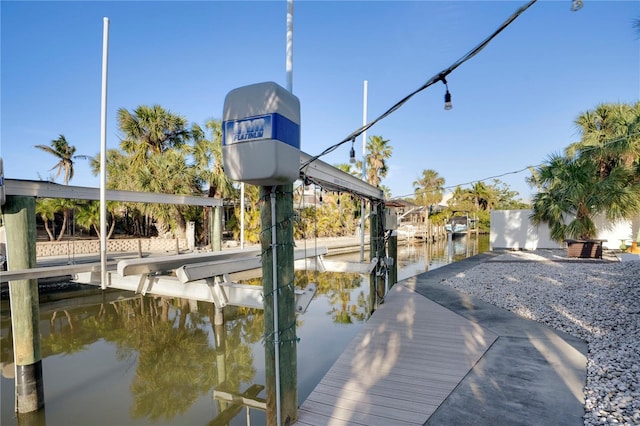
(571, 191)
(634, 245)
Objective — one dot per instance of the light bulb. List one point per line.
(576, 5)
(352, 155)
(447, 101)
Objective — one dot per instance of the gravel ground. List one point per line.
(597, 301)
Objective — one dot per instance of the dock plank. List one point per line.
(404, 362)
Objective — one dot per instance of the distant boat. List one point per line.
(458, 225)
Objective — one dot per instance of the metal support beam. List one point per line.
(169, 263)
(338, 180)
(219, 291)
(322, 265)
(318, 170)
(42, 189)
(198, 271)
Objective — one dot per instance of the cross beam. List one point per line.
(336, 179)
(43, 189)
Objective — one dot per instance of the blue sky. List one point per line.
(513, 104)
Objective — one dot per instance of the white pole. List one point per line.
(103, 156)
(364, 168)
(289, 65)
(276, 328)
(274, 257)
(242, 215)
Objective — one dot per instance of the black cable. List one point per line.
(581, 150)
(441, 76)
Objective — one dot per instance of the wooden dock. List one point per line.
(403, 364)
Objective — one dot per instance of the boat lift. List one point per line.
(199, 276)
(206, 276)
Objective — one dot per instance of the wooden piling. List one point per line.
(19, 214)
(393, 254)
(215, 230)
(373, 226)
(218, 315)
(286, 332)
(376, 249)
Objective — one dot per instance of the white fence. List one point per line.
(512, 229)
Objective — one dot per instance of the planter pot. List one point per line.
(634, 248)
(591, 249)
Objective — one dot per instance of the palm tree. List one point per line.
(484, 197)
(461, 200)
(429, 188)
(88, 216)
(207, 154)
(155, 141)
(571, 192)
(379, 151)
(47, 209)
(151, 130)
(167, 174)
(599, 174)
(610, 134)
(65, 154)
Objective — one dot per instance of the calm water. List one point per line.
(116, 358)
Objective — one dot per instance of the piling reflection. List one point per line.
(174, 359)
(339, 289)
(178, 354)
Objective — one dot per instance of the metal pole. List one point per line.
(289, 64)
(276, 328)
(242, 215)
(364, 168)
(103, 156)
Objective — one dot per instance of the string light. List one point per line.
(576, 5)
(447, 96)
(352, 153)
(431, 81)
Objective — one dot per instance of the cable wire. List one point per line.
(580, 150)
(441, 76)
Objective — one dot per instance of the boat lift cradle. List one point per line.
(206, 277)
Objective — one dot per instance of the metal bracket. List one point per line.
(304, 297)
(142, 287)
(220, 298)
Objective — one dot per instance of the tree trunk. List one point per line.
(65, 216)
(46, 228)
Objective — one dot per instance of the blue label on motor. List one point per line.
(261, 127)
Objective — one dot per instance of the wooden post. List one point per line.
(393, 254)
(221, 357)
(218, 316)
(376, 244)
(19, 215)
(285, 335)
(215, 228)
(373, 232)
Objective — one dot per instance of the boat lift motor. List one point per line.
(261, 135)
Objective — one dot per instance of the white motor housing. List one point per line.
(261, 135)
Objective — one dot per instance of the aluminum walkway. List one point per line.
(431, 355)
(408, 358)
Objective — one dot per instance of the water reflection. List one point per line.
(344, 292)
(112, 358)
